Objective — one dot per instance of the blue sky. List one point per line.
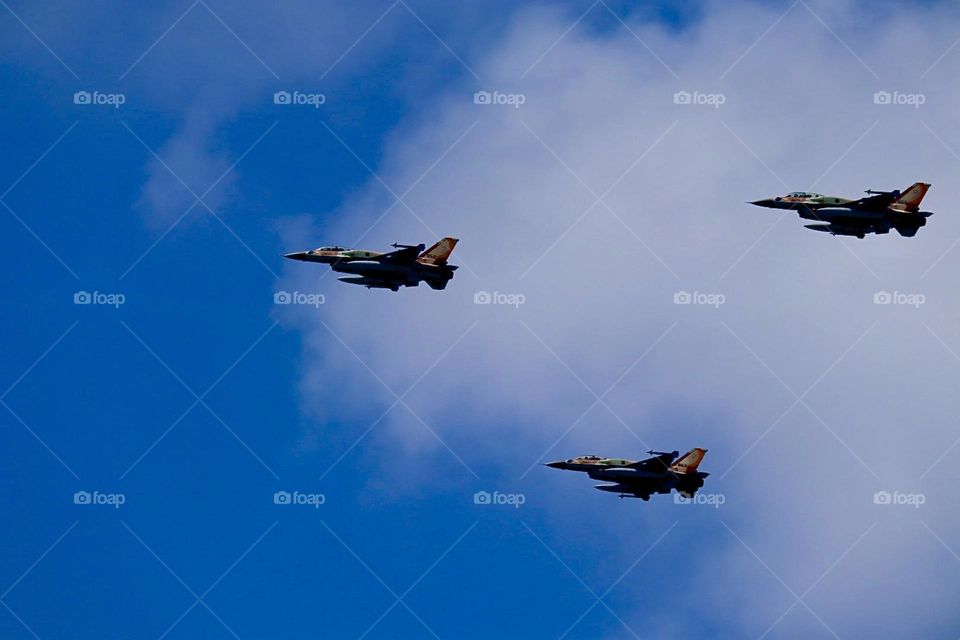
(197, 398)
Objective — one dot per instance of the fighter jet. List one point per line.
(632, 479)
(407, 266)
(877, 213)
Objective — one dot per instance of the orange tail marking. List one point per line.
(689, 462)
(438, 253)
(910, 200)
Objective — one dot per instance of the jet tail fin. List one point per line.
(689, 462)
(912, 195)
(438, 253)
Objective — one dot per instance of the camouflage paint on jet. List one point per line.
(878, 213)
(641, 479)
(405, 267)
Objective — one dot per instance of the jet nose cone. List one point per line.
(761, 203)
(556, 465)
(298, 255)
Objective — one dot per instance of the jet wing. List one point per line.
(404, 255)
(878, 203)
(659, 463)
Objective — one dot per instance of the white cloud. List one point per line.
(186, 168)
(599, 288)
(216, 62)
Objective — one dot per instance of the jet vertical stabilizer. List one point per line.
(689, 462)
(438, 253)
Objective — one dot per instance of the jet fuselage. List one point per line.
(641, 479)
(406, 267)
(878, 213)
